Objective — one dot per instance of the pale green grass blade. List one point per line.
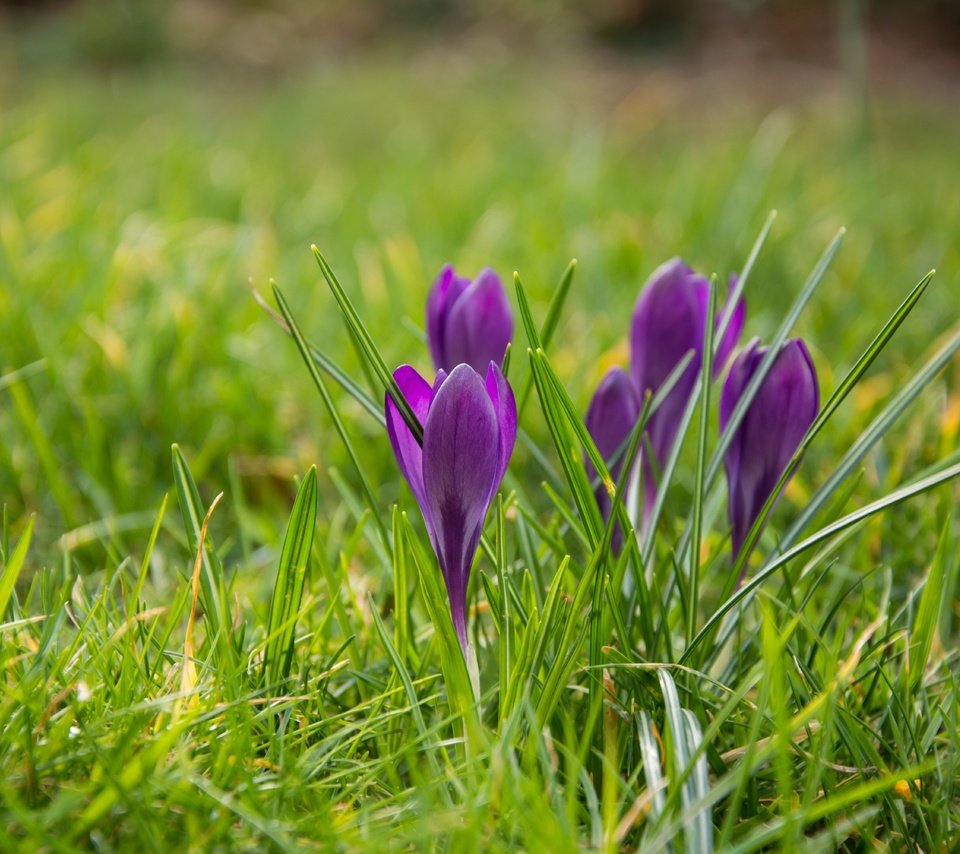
(24, 373)
(684, 739)
(506, 651)
(738, 289)
(402, 635)
(145, 562)
(652, 772)
(701, 828)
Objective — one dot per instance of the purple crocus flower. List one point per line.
(669, 321)
(779, 416)
(469, 427)
(613, 411)
(469, 322)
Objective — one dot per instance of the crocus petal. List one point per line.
(460, 463)
(505, 407)
(741, 371)
(612, 414)
(438, 381)
(779, 416)
(479, 324)
(445, 292)
(417, 392)
(668, 322)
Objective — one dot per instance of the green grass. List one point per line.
(136, 207)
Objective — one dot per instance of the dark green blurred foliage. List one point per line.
(104, 32)
(120, 31)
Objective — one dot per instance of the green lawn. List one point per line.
(137, 207)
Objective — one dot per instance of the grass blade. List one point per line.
(932, 601)
(373, 407)
(706, 375)
(342, 432)
(366, 344)
(11, 569)
(213, 594)
(292, 573)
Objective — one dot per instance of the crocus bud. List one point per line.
(468, 322)
(669, 321)
(612, 413)
(469, 427)
(772, 428)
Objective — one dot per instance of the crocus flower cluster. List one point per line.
(669, 321)
(469, 416)
(469, 424)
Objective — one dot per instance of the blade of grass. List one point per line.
(367, 345)
(706, 374)
(372, 407)
(292, 573)
(212, 588)
(932, 601)
(650, 753)
(806, 292)
(550, 323)
(331, 407)
(11, 568)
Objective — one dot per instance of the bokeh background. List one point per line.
(157, 160)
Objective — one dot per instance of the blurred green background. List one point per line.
(156, 160)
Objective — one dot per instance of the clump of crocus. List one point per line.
(669, 321)
(772, 428)
(469, 427)
(468, 322)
